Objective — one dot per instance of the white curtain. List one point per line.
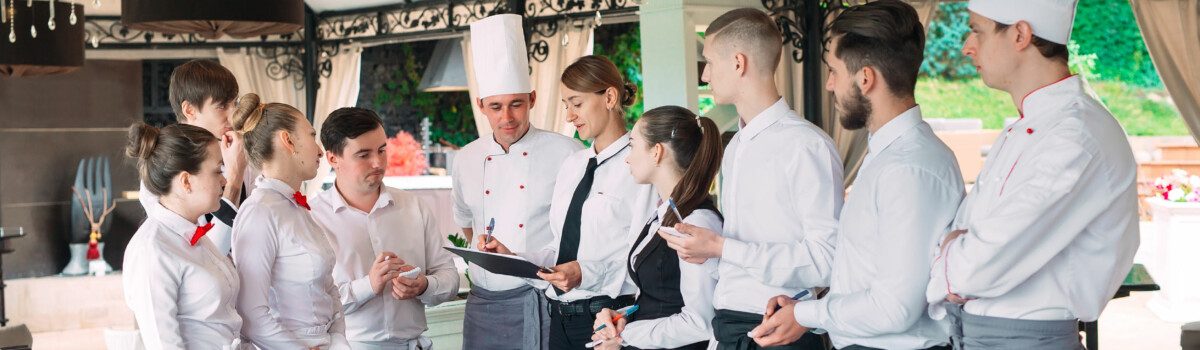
(572, 41)
(261, 75)
(257, 73)
(339, 90)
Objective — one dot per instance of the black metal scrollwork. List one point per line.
(108, 32)
(284, 63)
(790, 17)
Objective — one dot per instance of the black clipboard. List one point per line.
(498, 263)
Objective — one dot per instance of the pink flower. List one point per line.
(405, 156)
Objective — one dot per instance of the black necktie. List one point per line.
(569, 245)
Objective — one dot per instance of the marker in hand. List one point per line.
(777, 307)
(621, 313)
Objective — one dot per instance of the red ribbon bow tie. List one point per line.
(301, 200)
(200, 231)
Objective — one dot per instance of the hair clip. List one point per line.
(673, 133)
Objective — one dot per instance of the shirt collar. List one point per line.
(171, 220)
(662, 210)
(521, 144)
(764, 119)
(275, 185)
(1051, 97)
(612, 150)
(334, 197)
(889, 132)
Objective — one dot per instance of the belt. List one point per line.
(590, 306)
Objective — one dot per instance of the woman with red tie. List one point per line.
(288, 299)
(181, 289)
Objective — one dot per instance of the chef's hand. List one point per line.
(493, 247)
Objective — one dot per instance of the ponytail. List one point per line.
(696, 143)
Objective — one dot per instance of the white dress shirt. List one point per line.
(514, 188)
(288, 299)
(401, 223)
(903, 201)
(781, 193)
(611, 218)
(182, 295)
(1052, 222)
(696, 284)
(220, 233)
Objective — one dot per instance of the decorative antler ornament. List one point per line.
(93, 252)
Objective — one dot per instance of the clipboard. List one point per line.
(498, 263)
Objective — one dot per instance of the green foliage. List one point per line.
(1082, 64)
(1140, 110)
(449, 112)
(461, 242)
(624, 48)
(945, 98)
(943, 44)
(1104, 29)
(1107, 28)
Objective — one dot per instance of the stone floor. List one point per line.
(1125, 324)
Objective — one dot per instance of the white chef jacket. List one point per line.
(1052, 220)
(401, 223)
(288, 299)
(512, 187)
(219, 234)
(696, 285)
(182, 295)
(903, 200)
(611, 218)
(781, 193)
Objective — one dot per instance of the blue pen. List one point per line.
(794, 297)
(671, 203)
(777, 307)
(491, 225)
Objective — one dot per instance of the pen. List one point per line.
(491, 225)
(621, 313)
(777, 307)
(628, 310)
(671, 202)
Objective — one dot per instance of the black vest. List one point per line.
(657, 276)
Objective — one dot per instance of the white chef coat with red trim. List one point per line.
(513, 187)
(1052, 220)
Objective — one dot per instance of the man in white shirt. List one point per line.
(378, 232)
(507, 176)
(903, 200)
(781, 187)
(1049, 230)
(202, 93)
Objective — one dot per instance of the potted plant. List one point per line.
(1171, 244)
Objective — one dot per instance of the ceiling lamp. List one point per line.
(40, 38)
(446, 71)
(212, 19)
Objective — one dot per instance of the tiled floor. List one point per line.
(1125, 324)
